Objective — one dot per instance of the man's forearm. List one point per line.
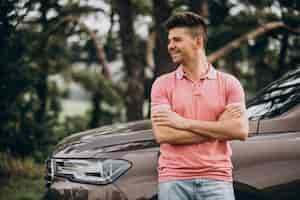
(165, 134)
(222, 130)
(231, 124)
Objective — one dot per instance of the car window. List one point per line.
(277, 98)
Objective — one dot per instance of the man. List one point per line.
(195, 110)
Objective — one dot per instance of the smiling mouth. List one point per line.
(175, 54)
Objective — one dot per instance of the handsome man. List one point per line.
(195, 111)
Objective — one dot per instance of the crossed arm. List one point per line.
(171, 128)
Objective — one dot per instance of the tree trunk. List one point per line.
(135, 70)
(252, 35)
(282, 56)
(162, 60)
(42, 85)
(96, 112)
(263, 75)
(200, 7)
(99, 49)
(42, 93)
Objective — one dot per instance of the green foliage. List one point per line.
(17, 174)
(20, 188)
(263, 55)
(17, 167)
(35, 49)
(105, 94)
(111, 48)
(72, 125)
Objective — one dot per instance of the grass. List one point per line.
(26, 167)
(20, 188)
(20, 179)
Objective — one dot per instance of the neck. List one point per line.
(197, 67)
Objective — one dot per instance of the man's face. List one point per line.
(182, 46)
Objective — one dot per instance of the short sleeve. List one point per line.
(234, 91)
(159, 96)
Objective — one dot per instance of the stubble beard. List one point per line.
(177, 60)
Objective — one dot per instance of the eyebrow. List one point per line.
(174, 37)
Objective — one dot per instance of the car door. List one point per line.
(282, 164)
(270, 161)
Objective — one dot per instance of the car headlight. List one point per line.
(94, 171)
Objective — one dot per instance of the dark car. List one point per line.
(119, 162)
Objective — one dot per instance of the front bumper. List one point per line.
(61, 188)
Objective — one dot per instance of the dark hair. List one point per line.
(190, 20)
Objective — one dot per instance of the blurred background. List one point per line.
(72, 65)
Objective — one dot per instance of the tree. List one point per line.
(134, 99)
(200, 7)
(15, 77)
(103, 92)
(236, 44)
(33, 50)
(162, 61)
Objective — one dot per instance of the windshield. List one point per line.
(277, 98)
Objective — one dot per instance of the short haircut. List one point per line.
(190, 20)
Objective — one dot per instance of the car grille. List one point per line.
(49, 175)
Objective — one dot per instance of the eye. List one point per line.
(177, 39)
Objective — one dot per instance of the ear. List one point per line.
(199, 42)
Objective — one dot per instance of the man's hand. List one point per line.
(232, 111)
(168, 118)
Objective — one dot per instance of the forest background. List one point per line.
(72, 65)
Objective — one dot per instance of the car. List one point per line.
(119, 162)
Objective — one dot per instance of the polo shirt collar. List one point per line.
(211, 74)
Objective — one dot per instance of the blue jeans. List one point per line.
(195, 189)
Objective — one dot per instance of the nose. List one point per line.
(171, 45)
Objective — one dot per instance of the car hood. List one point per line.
(113, 138)
(117, 137)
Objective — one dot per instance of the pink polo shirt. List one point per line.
(205, 100)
